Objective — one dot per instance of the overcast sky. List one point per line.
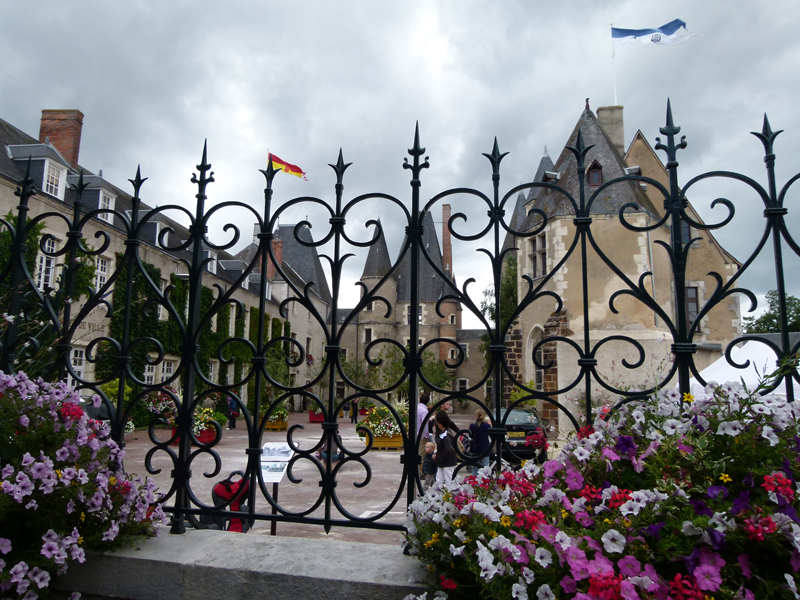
(306, 78)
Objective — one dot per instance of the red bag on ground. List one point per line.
(236, 490)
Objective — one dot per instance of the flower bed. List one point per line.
(382, 423)
(63, 489)
(667, 499)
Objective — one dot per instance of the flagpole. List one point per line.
(614, 68)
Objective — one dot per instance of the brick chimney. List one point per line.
(277, 250)
(447, 246)
(63, 127)
(610, 120)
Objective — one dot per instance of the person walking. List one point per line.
(446, 459)
(232, 413)
(354, 410)
(422, 413)
(480, 440)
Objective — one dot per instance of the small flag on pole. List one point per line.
(289, 168)
(671, 33)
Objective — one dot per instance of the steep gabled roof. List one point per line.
(304, 260)
(518, 216)
(610, 199)
(378, 261)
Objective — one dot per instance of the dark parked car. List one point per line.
(99, 413)
(526, 438)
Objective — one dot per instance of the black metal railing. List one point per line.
(46, 322)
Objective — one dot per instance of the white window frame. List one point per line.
(167, 370)
(149, 374)
(54, 179)
(101, 272)
(46, 265)
(77, 358)
(462, 384)
(211, 265)
(106, 202)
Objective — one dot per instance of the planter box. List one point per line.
(280, 425)
(205, 437)
(394, 442)
(315, 418)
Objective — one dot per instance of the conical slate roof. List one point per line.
(431, 285)
(378, 261)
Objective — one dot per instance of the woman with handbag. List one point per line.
(232, 413)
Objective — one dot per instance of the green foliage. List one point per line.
(142, 316)
(508, 303)
(770, 321)
(276, 359)
(392, 369)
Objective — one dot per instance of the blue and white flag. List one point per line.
(671, 33)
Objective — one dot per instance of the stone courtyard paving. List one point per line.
(386, 473)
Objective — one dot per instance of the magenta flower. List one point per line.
(708, 578)
(744, 564)
(568, 585)
(609, 454)
(629, 566)
(628, 591)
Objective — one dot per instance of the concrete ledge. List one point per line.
(217, 564)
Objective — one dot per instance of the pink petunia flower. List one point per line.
(629, 566)
(708, 578)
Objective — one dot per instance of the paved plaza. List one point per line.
(384, 476)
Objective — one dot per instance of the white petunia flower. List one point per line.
(582, 455)
(528, 575)
(769, 434)
(731, 428)
(519, 590)
(690, 529)
(613, 541)
(545, 593)
(543, 557)
(457, 551)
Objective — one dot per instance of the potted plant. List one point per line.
(384, 426)
(203, 428)
(278, 419)
(364, 404)
(669, 497)
(315, 414)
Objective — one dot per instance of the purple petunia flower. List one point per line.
(18, 572)
(701, 508)
(626, 445)
(717, 538)
(741, 503)
(49, 549)
(39, 577)
(744, 565)
(5, 546)
(7, 471)
(629, 566)
(748, 480)
(654, 530)
(716, 490)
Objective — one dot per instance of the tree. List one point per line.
(770, 321)
(434, 370)
(508, 302)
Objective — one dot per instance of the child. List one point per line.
(428, 466)
(445, 457)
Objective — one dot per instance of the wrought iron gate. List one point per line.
(49, 317)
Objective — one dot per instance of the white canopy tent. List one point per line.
(762, 362)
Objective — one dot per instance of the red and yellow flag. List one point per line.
(282, 165)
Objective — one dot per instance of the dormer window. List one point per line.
(54, 179)
(211, 265)
(106, 203)
(594, 175)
